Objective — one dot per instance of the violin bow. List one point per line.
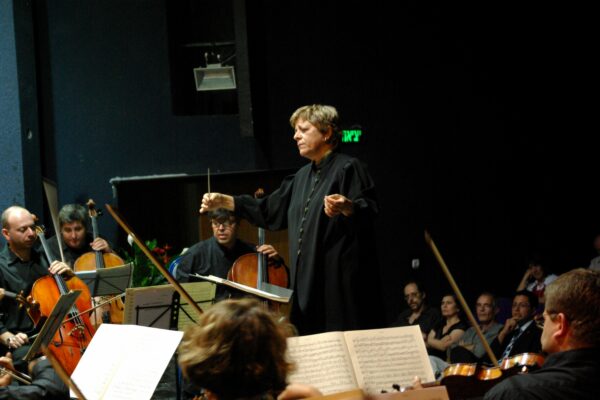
(460, 298)
(154, 261)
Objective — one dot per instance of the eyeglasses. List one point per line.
(226, 224)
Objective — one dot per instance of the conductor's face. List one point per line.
(73, 234)
(312, 144)
(225, 231)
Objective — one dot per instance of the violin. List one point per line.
(76, 332)
(32, 307)
(94, 260)
(256, 269)
(480, 378)
(468, 380)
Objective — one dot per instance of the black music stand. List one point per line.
(107, 281)
(52, 324)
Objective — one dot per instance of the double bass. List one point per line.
(76, 332)
(95, 260)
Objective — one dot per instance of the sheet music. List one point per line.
(383, 357)
(151, 306)
(248, 289)
(322, 361)
(134, 365)
(372, 360)
(203, 292)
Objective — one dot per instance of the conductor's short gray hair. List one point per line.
(321, 116)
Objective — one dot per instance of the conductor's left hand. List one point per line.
(336, 204)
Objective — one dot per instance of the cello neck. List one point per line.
(62, 286)
(93, 213)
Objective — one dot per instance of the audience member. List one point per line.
(418, 312)
(520, 333)
(470, 349)
(536, 279)
(448, 331)
(595, 262)
(570, 338)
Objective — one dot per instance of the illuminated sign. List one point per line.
(351, 135)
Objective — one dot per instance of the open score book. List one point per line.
(372, 360)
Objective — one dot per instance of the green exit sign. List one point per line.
(351, 135)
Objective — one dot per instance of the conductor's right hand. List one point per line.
(212, 201)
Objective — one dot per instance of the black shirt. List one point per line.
(45, 385)
(17, 276)
(71, 254)
(333, 261)
(564, 375)
(429, 318)
(208, 257)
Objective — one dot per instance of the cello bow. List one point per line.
(154, 261)
(460, 298)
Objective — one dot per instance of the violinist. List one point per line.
(21, 264)
(76, 239)
(216, 255)
(238, 351)
(520, 333)
(469, 348)
(45, 382)
(570, 338)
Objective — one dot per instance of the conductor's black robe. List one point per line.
(333, 261)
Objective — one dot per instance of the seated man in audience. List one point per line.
(418, 313)
(520, 333)
(570, 338)
(536, 278)
(470, 348)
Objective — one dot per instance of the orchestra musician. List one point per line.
(216, 255)
(45, 382)
(328, 207)
(238, 351)
(570, 338)
(76, 238)
(21, 264)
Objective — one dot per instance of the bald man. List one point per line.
(21, 264)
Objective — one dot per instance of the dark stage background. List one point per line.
(472, 118)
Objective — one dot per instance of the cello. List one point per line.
(76, 332)
(256, 269)
(96, 259)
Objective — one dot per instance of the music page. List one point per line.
(322, 360)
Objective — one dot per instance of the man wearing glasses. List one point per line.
(216, 255)
(520, 333)
(570, 338)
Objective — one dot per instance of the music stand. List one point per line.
(107, 281)
(53, 322)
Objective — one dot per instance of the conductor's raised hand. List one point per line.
(336, 204)
(213, 201)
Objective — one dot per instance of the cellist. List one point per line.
(21, 264)
(216, 255)
(76, 239)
